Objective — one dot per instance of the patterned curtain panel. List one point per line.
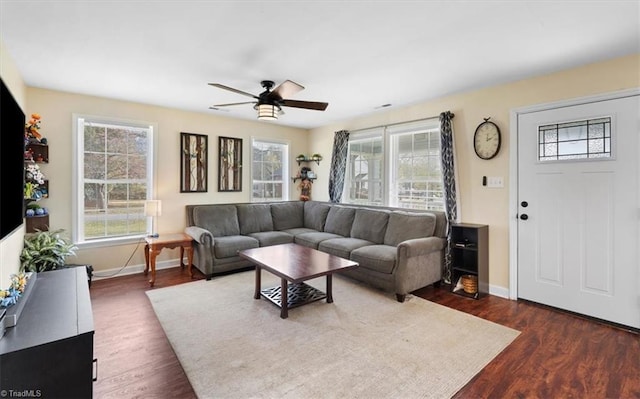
(449, 180)
(338, 165)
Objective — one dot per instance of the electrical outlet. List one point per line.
(495, 182)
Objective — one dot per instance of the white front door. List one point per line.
(579, 218)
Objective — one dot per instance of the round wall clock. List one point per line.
(486, 140)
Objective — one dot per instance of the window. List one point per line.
(415, 169)
(269, 171)
(575, 140)
(365, 166)
(113, 179)
(412, 159)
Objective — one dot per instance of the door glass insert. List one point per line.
(583, 139)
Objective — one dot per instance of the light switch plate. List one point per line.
(495, 182)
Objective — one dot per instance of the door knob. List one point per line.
(524, 204)
(524, 216)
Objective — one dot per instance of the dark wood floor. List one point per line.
(557, 355)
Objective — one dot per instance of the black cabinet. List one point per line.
(470, 259)
(49, 353)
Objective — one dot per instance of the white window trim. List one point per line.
(365, 134)
(387, 132)
(77, 202)
(285, 166)
(394, 131)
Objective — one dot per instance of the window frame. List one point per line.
(365, 135)
(285, 169)
(429, 126)
(389, 135)
(78, 122)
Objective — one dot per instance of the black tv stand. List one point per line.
(50, 350)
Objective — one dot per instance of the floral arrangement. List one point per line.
(33, 179)
(32, 128)
(10, 296)
(33, 174)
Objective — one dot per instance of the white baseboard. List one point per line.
(499, 291)
(133, 269)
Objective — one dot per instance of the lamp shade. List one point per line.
(153, 208)
(268, 112)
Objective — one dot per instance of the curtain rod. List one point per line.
(402, 123)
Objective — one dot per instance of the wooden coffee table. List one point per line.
(294, 264)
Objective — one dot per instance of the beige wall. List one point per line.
(480, 204)
(11, 245)
(57, 108)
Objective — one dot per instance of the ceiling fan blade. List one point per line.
(286, 89)
(244, 93)
(318, 106)
(230, 104)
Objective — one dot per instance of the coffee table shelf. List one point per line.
(298, 294)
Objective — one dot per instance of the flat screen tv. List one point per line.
(11, 163)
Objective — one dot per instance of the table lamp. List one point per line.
(153, 209)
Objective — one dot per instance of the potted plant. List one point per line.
(45, 250)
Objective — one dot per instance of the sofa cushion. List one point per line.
(254, 218)
(404, 226)
(339, 220)
(370, 225)
(312, 239)
(267, 238)
(228, 246)
(381, 258)
(315, 214)
(287, 215)
(342, 247)
(299, 230)
(220, 220)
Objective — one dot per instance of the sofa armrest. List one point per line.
(202, 236)
(420, 246)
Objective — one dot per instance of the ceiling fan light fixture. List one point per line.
(268, 112)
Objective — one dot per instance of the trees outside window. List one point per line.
(113, 179)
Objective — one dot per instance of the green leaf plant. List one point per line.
(45, 250)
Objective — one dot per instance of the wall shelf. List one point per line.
(311, 179)
(37, 223)
(299, 161)
(37, 153)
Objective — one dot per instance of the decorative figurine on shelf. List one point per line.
(32, 129)
(305, 189)
(303, 172)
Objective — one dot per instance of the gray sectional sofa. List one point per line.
(398, 250)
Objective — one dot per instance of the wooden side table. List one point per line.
(155, 245)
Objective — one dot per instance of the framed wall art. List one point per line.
(193, 163)
(230, 164)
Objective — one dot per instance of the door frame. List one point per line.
(513, 167)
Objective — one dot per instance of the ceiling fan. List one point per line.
(269, 103)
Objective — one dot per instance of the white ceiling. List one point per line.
(355, 55)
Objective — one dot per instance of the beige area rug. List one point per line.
(365, 344)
